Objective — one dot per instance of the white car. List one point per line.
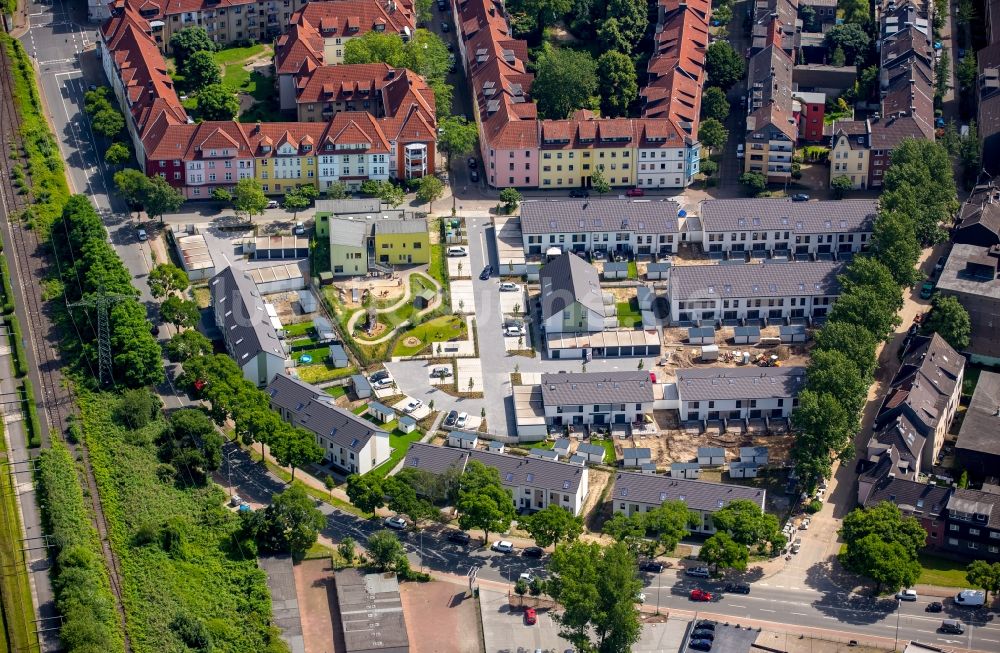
(413, 405)
(503, 546)
(526, 577)
(805, 524)
(385, 382)
(507, 286)
(640, 598)
(907, 595)
(463, 419)
(513, 330)
(141, 235)
(396, 522)
(457, 251)
(441, 371)
(739, 151)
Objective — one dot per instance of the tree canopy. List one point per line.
(747, 524)
(564, 82)
(429, 190)
(483, 502)
(293, 521)
(617, 83)
(166, 278)
(185, 42)
(724, 66)
(217, 102)
(713, 134)
(984, 575)
(458, 136)
(949, 319)
(882, 544)
(724, 552)
(295, 447)
(181, 312)
(714, 104)
(249, 198)
(552, 524)
(200, 70)
(852, 39)
(187, 344)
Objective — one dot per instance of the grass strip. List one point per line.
(33, 428)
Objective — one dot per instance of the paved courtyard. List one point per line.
(469, 369)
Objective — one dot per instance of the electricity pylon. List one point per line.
(102, 302)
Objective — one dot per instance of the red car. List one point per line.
(530, 616)
(635, 192)
(700, 595)
(652, 377)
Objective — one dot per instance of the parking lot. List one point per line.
(462, 297)
(469, 369)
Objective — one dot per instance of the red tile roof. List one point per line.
(357, 17)
(394, 90)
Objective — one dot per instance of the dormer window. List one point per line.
(265, 148)
(307, 148)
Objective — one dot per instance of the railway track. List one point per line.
(28, 262)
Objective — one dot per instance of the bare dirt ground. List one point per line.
(320, 621)
(440, 618)
(287, 306)
(598, 481)
(621, 294)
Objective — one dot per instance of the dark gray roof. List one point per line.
(337, 352)
(698, 495)
(743, 464)
(910, 496)
(683, 466)
(590, 449)
(658, 267)
(980, 431)
(636, 452)
(465, 436)
(762, 214)
(566, 279)
(616, 266)
(711, 451)
(707, 384)
(747, 331)
(561, 443)
(394, 226)
(368, 628)
(648, 467)
(977, 503)
(360, 381)
(548, 454)
(579, 216)
(245, 323)
(792, 329)
(596, 388)
(792, 279)
(515, 471)
(320, 415)
(701, 332)
(407, 420)
(752, 452)
(376, 407)
(345, 206)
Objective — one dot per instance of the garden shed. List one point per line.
(746, 335)
(381, 412)
(616, 270)
(701, 336)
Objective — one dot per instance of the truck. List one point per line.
(970, 598)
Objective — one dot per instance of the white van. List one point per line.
(457, 251)
(970, 598)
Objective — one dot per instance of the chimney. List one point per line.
(256, 128)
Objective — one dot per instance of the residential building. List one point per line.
(780, 227)
(925, 502)
(375, 88)
(988, 105)
(571, 150)
(809, 109)
(365, 628)
(365, 242)
(250, 337)
(978, 220)
(597, 398)
(760, 291)
(775, 22)
(572, 300)
(978, 444)
(920, 404)
(971, 275)
(850, 152)
(285, 154)
(771, 129)
(613, 225)
(401, 242)
(825, 11)
(534, 483)
(352, 443)
(739, 393)
(634, 493)
(973, 523)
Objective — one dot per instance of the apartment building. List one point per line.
(775, 22)
(978, 447)
(851, 152)
(972, 520)
(738, 393)
(377, 89)
(972, 275)
(757, 292)
(572, 299)
(771, 128)
(571, 150)
(598, 398)
(988, 88)
(780, 227)
(534, 483)
(250, 337)
(635, 493)
(625, 226)
(361, 243)
(352, 443)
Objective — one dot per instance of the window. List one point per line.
(973, 531)
(953, 527)
(952, 541)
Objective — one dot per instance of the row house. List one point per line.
(780, 227)
(972, 520)
(758, 292)
(534, 483)
(376, 88)
(972, 276)
(597, 398)
(634, 493)
(624, 226)
(571, 298)
(571, 150)
(739, 393)
(771, 129)
(775, 22)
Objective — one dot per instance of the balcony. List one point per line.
(415, 160)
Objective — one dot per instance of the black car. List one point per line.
(445, 27)
(155, 329)
(451, 418)
(935, 606)
(473, 176)
(473, 164)
(442, 5)
(450, 46)
(705, 624)
(486, 273)
(532, 552)
(738, 588)
(703, 634)
(459, 537)
(651, 566)
(700, 645)
(579, 192)
(378, 376)
(800, 197)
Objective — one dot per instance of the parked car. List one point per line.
(952, 626)
(451, 418)
(463, 419)
(926, 290)
(445, 27)
(739, 151)
(705, 623)
(533, 552)
(486, 273)
(652, 377)
(738, 588)
(700, 644)
(970, 598)
(635, 192)
(652, 567)
(804, 526)
(703, 633)
(459, 537)
(395, 522)
(940, 265)
(640, 598)
(442, 5)
(474, 176)
(513, 330)
(473, 164)
(457, 251)
(698, 572)
(413, 405)
(441, 372)
(934, 606)
(579, 192)
(907, 595)
(526, 577)
(272, 204)
(800, 197)
(700, 595)
(508, 286)
(502, 546)
(530, 616)
(141, 235)
(299, 229)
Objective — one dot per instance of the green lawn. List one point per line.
(360, 409)
(633, 270)
(629, 315)
(298, 330)
(321, 372)
(941, 571)
(399, 442)
(609, 448)
(336, 391)
(228, 56)
(439, 329)
(438, 267)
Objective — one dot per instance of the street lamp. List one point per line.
(659, 576)
(229, 471)
(896, 643)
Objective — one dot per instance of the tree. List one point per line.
(823, 429)
(137, 358)
(136, 407)
(564, 82)
(510, 198)
(108, 122)
(483, 502)
(222, 194)
(457, 136)
(616, 82)
(131, 184)
(117, 154)
(166, 278)
(942, 73)
(161, 197)
(724, 552)
(713, 134)
(865, 308)
(189, 40)
(855, 11)
(187, 344)
(404, 501)
(295, 447)
(309, 192)
(216, 102)
(295, 201)
(200, 70)
(385, 550)
(337, 190)
(841, 186)
(754, 182)
(808, 16)
(599, 182)
(623, 26)
(855, 342)
(852, 39)
(375, 47)
(746, 523)
(950, 320)
(192, 443)
(597, 589)
(390, 193)
(722, 14)
(182, 312)
(920, 184)
(521, 588)
(249, 198)
(671, 522)
(294, 515)
(894, 244)
(984, 575)
(429, 190)
(882, 544)
(628, 530)
(724, 66)
(714, 104)
(366, 492)
(544, 12)
(347, 551)
(551, 525)
(832, 372)
(708, 167)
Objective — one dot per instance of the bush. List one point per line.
(34, 427)
(814, 506)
